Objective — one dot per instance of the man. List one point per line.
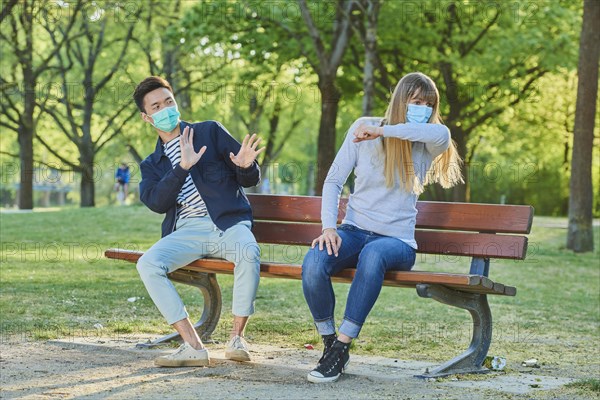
(196, 177)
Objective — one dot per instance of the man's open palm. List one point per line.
(189, 157)
(248, 153)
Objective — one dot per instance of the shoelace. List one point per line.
(238, 344)
(333, 353)
(179, 350)
(327, 347)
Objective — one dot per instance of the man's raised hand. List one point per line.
(248, 153)
(189, 157)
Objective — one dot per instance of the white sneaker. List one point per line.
(237, 349)
(185, 356)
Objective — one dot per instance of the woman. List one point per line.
(393, 159)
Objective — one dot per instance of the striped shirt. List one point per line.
(189, 201)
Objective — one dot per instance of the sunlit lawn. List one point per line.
(56, 282)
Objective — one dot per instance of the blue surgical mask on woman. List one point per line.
(418, 114)
(166, 119)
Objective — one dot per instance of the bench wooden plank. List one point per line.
(289, 208)
(467, 283)
(484, 245)
(472, 217)
(475, 217)
(510, 291)
(430, 242)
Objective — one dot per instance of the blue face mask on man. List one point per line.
(166, 119)
(418, 114)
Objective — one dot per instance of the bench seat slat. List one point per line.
(468, 283)
(510, 291)
(432, 215)
(431, 242)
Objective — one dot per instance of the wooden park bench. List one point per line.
(479, 231)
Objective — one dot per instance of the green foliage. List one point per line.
(227, 57)
(527, 165)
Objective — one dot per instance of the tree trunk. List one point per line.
(27, 129)
(87, 153)
(26, 134)
(87, 187)
(330, 97)
(134, 153)
(461, 192)
(368, 86)
(267, 163)
(173, 74)
(372, 14)
(25, 200)
(580, 234)
(326, 67)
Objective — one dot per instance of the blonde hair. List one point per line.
(445, 168)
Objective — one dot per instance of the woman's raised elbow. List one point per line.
(444, 137)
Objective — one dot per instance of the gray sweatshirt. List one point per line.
(373, 206)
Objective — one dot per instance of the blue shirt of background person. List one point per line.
(122, 174)
(122, 184)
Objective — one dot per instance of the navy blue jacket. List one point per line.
(218, 180)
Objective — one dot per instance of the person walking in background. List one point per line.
(393, 158)
(122, 184)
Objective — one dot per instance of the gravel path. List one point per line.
(104, 368)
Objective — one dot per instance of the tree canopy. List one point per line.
(297, 73)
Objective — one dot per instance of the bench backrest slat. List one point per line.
(433, 242)
(471, 217)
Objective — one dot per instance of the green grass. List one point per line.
(55, 282)
(591, 384)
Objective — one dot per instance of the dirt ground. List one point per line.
(108, 368)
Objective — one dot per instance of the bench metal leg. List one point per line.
(471, 361)
(208, 285)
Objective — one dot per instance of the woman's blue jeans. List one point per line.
(372, 255)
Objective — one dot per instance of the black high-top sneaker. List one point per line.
(333, 364)
(328, 341)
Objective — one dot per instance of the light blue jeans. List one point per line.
(195, 238)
